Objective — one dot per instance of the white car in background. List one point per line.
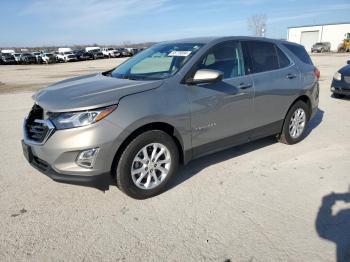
(66, 57)
(109, 52)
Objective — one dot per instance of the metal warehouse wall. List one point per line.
(333, 33)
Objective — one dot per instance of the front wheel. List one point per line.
(147, 164)
(295, 124)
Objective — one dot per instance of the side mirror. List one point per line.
(348, 62)
(205, 76)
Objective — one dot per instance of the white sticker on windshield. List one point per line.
(179, 53)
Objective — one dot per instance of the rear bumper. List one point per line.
(101, 181)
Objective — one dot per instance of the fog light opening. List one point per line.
(87, 157)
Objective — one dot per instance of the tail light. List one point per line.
(317, 73)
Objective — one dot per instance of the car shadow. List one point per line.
(335, 227)
(315, 121)
(195, 166)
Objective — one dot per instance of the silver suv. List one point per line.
(169, 104)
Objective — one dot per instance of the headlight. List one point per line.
(337, 76)
(81, 118)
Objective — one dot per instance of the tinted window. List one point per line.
(226, 58)
(299, 52)
(283, 60)
(263, 56)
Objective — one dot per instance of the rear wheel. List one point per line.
(147, 164)
(295, 123)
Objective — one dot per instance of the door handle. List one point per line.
(291, 76)
(244, 86)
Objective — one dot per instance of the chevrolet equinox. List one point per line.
(169, 104)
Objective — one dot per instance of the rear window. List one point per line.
(300, 52)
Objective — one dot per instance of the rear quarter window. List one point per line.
(282, 58)
(299, 52)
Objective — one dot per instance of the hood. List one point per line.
(345, 70)
(88, 92)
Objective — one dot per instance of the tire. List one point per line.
(285, 135)
(125, 179)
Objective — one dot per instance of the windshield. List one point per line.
(158, 62)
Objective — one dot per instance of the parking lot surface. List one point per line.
(263, 201)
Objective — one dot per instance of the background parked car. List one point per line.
(37, 57)
(341, 82)
(64, 49)
(7, 59)
(48, 58)
(321, 47)
(108, 52)
(82, 55)
(96, 53)
(27, 58)
(66, 57)
(17, 57)
(123, 52)
(90, 48)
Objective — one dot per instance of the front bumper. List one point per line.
(56, 158)
(340, 87)
(101, 182)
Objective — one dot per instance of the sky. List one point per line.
(28, 23)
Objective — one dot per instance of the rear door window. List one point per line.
(299, 52)
(263, 56)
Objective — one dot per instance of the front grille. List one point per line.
(37, 129)
(347, 79)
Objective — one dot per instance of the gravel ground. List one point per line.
(256, 202)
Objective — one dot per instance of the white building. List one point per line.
(310, 34)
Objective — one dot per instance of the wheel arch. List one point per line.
(303, 98)
(162, 126)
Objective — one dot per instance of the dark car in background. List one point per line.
(321, 47)
(341, 82)
(97, 54)
(123, 52)
(7, 59)
(27, 58)
(82, 55)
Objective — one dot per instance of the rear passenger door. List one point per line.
(276, 80)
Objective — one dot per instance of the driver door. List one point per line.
(222, 111)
